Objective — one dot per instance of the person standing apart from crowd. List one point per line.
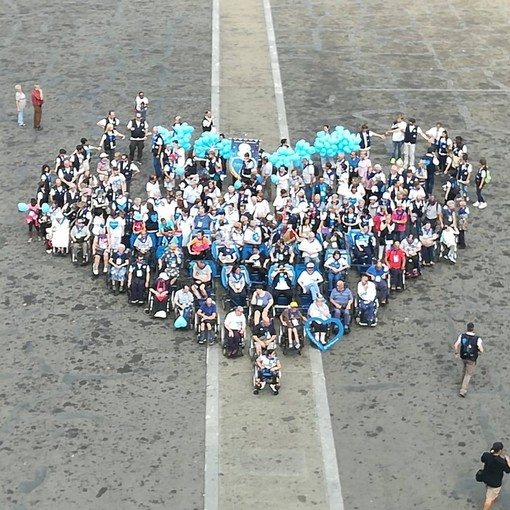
(410, 138)
(141, 105)
(467, 347)
(397, 133)
(207, 122)
(366, 136)
(138, 129)
(21, 102)
(495, 464)
(480, 179)
(37, 102)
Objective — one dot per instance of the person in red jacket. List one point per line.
(37, 102)
(396, 261)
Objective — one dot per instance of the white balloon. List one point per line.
(243, 149)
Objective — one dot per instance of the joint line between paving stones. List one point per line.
(212, 417)
(275, 68)
(333, 486)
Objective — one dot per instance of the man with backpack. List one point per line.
(467, 347)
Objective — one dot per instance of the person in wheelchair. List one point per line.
(261, 302)
(341, 299)
(235, 328)
(293, 320)
(199, 246)
(100, 250)
(281, 278)
(139, 274)
(171, 262)
(183, 303)
(264, 335)
(412, 249)
(227, 254)
(319, 310)
(207, 316)
(268, 368)
(159, 295)
(337, 267)
(449, 243)
(119, 263)
(367, 295)
(237, 287)
(309, 280)
(364, 247)
(144, 245)
(379, 273)
(202, 279)
(257, 264)
(80, 237)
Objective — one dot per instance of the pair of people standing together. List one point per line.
(37, 97)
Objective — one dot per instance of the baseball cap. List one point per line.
(103, 155)
(310, 265)
(293, 304)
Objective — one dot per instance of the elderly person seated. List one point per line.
(199, 246)
(319, 310)
(310, 249)
(412, 248)
(367, 295)
(342, 300)
(237, 287)
(309, 280)
(337, 267)
(119, 263)
(379, 274)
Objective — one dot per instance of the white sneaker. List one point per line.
(483, 205)
(476, 204)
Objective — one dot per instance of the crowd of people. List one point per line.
(292, 233)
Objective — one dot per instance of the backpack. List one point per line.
(469, 347)
(488, 177)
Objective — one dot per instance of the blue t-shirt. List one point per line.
(208, 310)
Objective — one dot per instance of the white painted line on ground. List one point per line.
(215, 64)
(332, 476)
(275, 67)
(212, 431)
(451, 91)
(212, 399)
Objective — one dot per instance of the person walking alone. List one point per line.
(480, 178)
(37, 102)
(21, 102)
(467, 347)
(496, 463)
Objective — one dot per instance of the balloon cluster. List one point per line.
(284, 156)
(180, 132)
(23, 208)
(340, 140)
(211, 141)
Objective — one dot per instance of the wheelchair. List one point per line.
(80, 250)
(361, 317)
(280, 300)
(165, 310)
(190, 320)
(263, 377)
(228, 303)
(252, 348)
(231, 348)
(212, 337)
(283, 340)
(115, 285)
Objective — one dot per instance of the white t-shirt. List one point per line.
(21, 99)
(141, 103)
(398, 136)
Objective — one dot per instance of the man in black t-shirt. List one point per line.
(495, 464)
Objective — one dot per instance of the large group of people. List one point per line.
(280, 247)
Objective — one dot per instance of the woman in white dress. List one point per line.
(21, 102)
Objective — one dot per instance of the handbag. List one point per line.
(479, 475)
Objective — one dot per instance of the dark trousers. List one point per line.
(479, 195)
(137, 145)
(37, 116)
(137, 289)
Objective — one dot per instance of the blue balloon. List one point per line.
(275, 179)
(237, 184)
(237, 164)
(45, 208)
(180, 322)
(179, 171)
(22, 207)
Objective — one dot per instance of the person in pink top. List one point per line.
(32, 218)
(364, 166)
(399, 217)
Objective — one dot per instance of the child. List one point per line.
(32, 218)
